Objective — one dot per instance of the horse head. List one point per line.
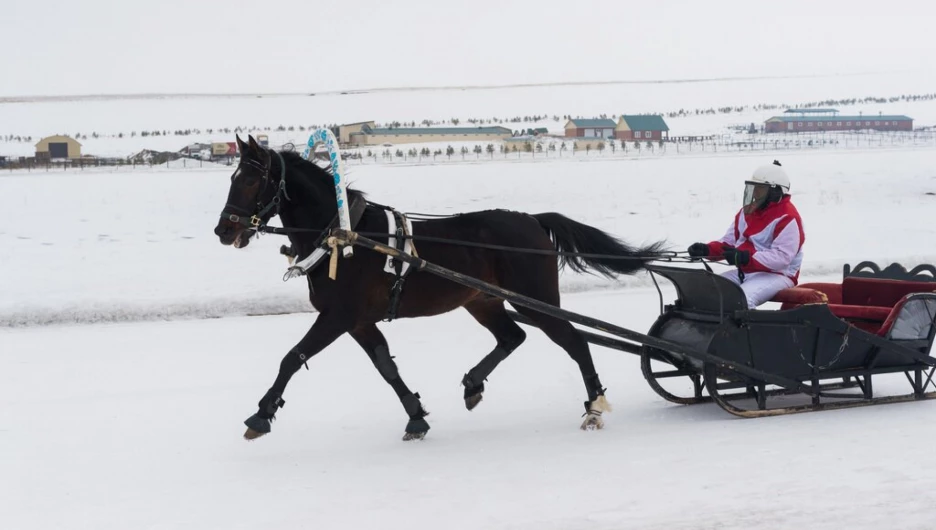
(254, 196)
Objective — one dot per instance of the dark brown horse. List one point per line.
(267, 183)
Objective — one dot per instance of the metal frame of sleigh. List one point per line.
(827, 340)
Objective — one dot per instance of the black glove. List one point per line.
(698, 250)
(736, 257)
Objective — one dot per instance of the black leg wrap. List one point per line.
(413, 407)
(269, 404)
(476, 377)
(416, 425)
(593, 386)
(384, 363)
(471, 387)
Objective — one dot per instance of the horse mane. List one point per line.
(316, 174)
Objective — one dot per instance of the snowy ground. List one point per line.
(105, 246)
(139, 426)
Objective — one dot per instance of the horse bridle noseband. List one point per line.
(236, 214)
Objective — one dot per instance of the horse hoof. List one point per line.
(251, 434)
(472, 401)
(472, 392)
(416, 430)
(592, 422)
(256, 427)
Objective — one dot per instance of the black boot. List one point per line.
(417, 427)
(473, 391)
(260, 423)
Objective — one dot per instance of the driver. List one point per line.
(765, 241)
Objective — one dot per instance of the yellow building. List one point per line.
(520, 143)
(58, 147)
(403, 135)
(585, 144)
(345, 131)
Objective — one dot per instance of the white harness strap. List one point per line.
(392, 242)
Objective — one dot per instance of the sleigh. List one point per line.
(826, 342)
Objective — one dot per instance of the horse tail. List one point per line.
(572, 236)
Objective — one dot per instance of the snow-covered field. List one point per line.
(85, 247)
(122, 397)
(117, 426)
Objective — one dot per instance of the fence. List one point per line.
(554, 147)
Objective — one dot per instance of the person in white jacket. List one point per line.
(765, 240)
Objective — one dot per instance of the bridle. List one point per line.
(252, 220)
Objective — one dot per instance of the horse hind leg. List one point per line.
(568, 338)
(491, 314)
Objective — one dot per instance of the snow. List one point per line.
(139, 425)
(131, 245)
(123, 392)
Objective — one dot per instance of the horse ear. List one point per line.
(241, 145)
(253, 143)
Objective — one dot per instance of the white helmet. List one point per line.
(772, 175)
(768, 184)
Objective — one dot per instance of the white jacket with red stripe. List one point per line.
(774, 236)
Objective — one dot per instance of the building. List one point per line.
(588, 144)
(641, 127)
(344, 132)
(825, 120)
(590, 128)
(53, 147)
(220, 149)
(368, 135)
(524, 143)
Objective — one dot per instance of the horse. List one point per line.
(268, 183)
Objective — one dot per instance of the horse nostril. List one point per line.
(221, 230)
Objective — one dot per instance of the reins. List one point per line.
(662, 256)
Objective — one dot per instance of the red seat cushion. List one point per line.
(878, 292)
(867, 318)
(857, 312)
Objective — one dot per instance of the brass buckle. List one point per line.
(254, 221)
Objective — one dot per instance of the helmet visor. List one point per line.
(755, 193)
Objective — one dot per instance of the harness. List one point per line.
(400, 269)
(236, 214)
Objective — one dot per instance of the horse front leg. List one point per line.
(373, 342)
(324, 331)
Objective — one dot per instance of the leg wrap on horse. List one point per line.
(593, 386)
(412, 406)
(294, 361)
(477, 375)
(384, 363)
(270, 403)
(260, 422)
(416, 425)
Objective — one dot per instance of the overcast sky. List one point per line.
(59, 47)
